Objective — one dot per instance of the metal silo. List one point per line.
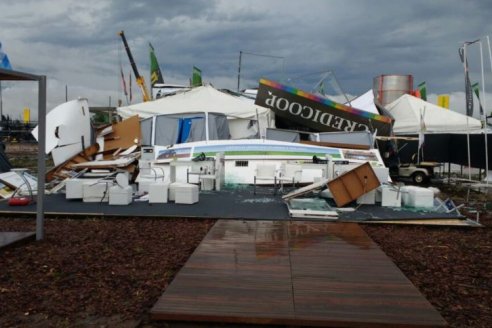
(388, 88)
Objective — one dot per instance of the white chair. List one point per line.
(266, 172)
(290, 173)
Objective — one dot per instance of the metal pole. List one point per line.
(239, 71)
(468, 148)
(41, 156)
(1, 101)
(486, 126)
(482, 115)
(66, 93)
(465, 60)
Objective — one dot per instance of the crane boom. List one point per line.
(138, 77)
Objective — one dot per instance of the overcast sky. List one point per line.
(75, 43)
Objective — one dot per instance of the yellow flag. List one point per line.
(26, 115)
(443, 101)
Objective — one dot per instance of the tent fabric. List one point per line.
(414, 115)
(206, 99)
(200, 99)
(365, 102)
(179, 128)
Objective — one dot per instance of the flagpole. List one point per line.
(482, 116)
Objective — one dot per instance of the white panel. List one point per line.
(72, 120)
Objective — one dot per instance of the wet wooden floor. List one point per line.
(293, 273)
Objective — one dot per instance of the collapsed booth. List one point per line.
(173, 129)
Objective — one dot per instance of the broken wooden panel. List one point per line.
(353, 184)
(63, 170)
(124, 135)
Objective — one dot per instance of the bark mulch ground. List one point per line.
(92, 272)
(110, 272)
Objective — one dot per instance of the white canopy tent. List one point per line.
(245, 119)
(413, 115)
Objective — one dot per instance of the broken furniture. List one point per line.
(389, 195)
(18, 198)
(97, 191)
(353, 184)
(311, 208)
(122, 192)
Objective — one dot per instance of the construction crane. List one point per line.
(138, 77)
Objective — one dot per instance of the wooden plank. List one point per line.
(293, 273)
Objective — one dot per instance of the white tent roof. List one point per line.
(408, 112)
(200, 99)
(365, 102)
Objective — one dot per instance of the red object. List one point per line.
(19, 201)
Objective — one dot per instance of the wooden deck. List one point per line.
(293, 273)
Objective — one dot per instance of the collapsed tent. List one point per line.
(245, 120)
(364, 102)
(414, 115)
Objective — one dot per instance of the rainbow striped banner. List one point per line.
(324, 115)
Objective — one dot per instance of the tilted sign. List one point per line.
(318, 113)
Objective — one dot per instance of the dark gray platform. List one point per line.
(226, 204)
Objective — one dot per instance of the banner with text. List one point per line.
(318, 113)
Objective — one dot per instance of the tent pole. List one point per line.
(485, 116)
(482, 114)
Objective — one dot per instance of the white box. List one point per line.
(96, 191)
(186, 194)
(172, 189)
(417, 197)
(390, 196)
(73, 188)
(368, 198)
(158, 192)
(120, 196)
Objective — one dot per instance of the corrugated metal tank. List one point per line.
(388, 88)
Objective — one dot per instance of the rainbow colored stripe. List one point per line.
(325, 101)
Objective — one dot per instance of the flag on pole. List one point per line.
(196, 80)
(443, 101)
(155, 71)
(468, 88)
(4, 59)
(421, 133)
(123, 82)
(476, 90)
(130, 85)
(422, 90)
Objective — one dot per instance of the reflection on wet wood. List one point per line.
(293, 273)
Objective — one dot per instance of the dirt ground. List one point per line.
(109, 272)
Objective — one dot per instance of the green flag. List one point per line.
(423, 91)
(196, 80)
(476, 90)
(155, 71)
